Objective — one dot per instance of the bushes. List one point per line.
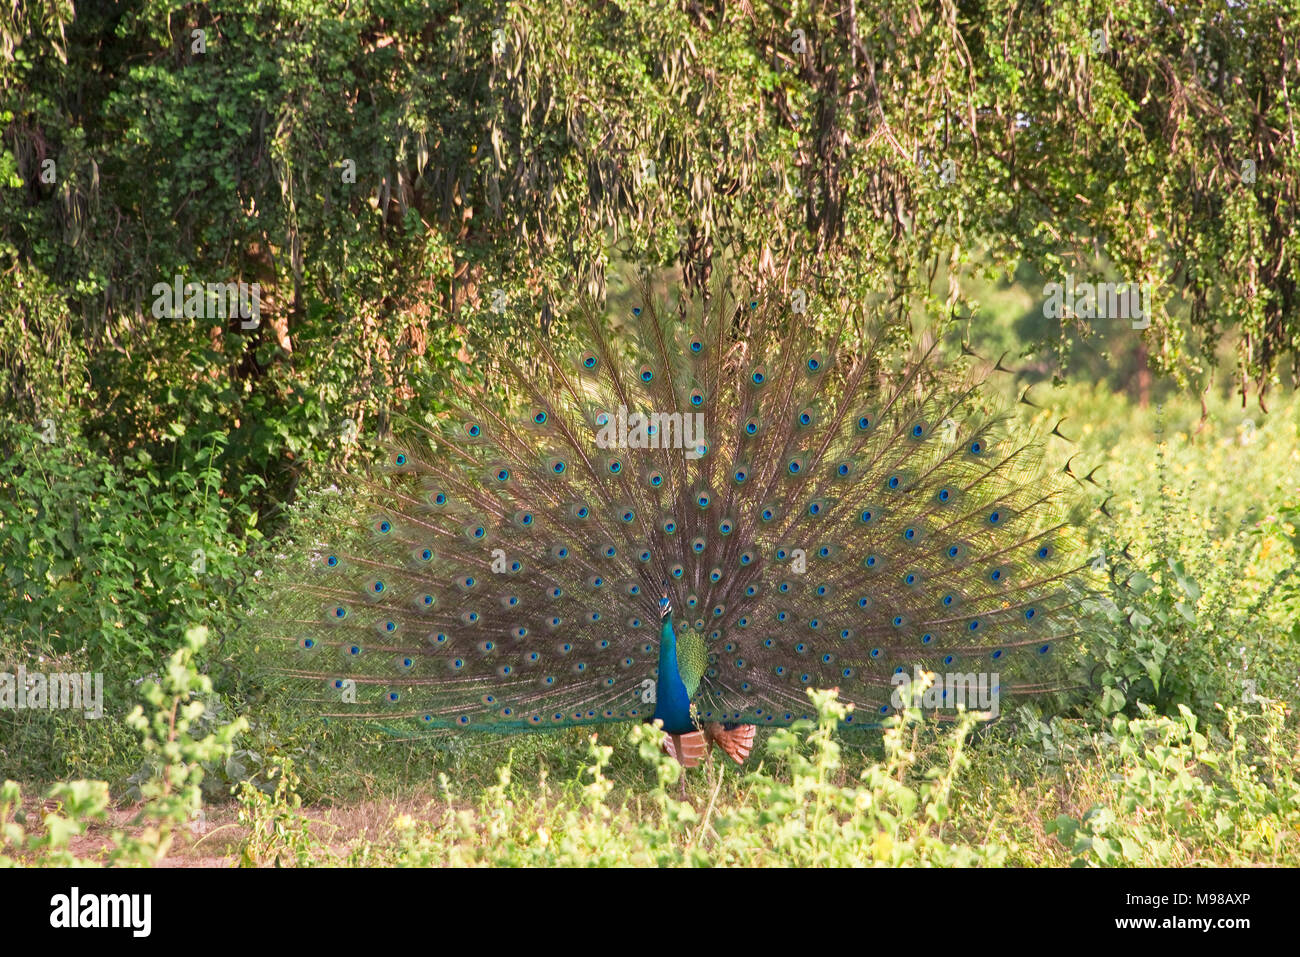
(1201, 600)
(104, 569)
(114, 561)
(1179, 798)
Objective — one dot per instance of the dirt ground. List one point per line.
(214, 840)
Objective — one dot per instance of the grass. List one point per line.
(1184, 753)
(1152, 791)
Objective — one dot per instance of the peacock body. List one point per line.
(694, 523)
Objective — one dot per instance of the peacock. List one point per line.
(692, 517)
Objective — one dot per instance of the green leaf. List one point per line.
(1112, 701)
(1140, 583)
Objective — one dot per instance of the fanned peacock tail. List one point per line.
(815, 518)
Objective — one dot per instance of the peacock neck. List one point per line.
(672, 702)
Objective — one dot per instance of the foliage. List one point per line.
(791, 812)
(116, 561)
(1182, 800)
(78, 804)
(326, 149)
(1201, 601)
(929, 166)
(277, 829)
(172, 795)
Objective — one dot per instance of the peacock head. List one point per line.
(665, 607)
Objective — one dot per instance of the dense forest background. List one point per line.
(417, 187)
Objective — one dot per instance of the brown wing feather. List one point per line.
(736, 743)
(689, 749)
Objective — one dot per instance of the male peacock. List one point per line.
(695, 526)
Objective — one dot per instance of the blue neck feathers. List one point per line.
(672, 703)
